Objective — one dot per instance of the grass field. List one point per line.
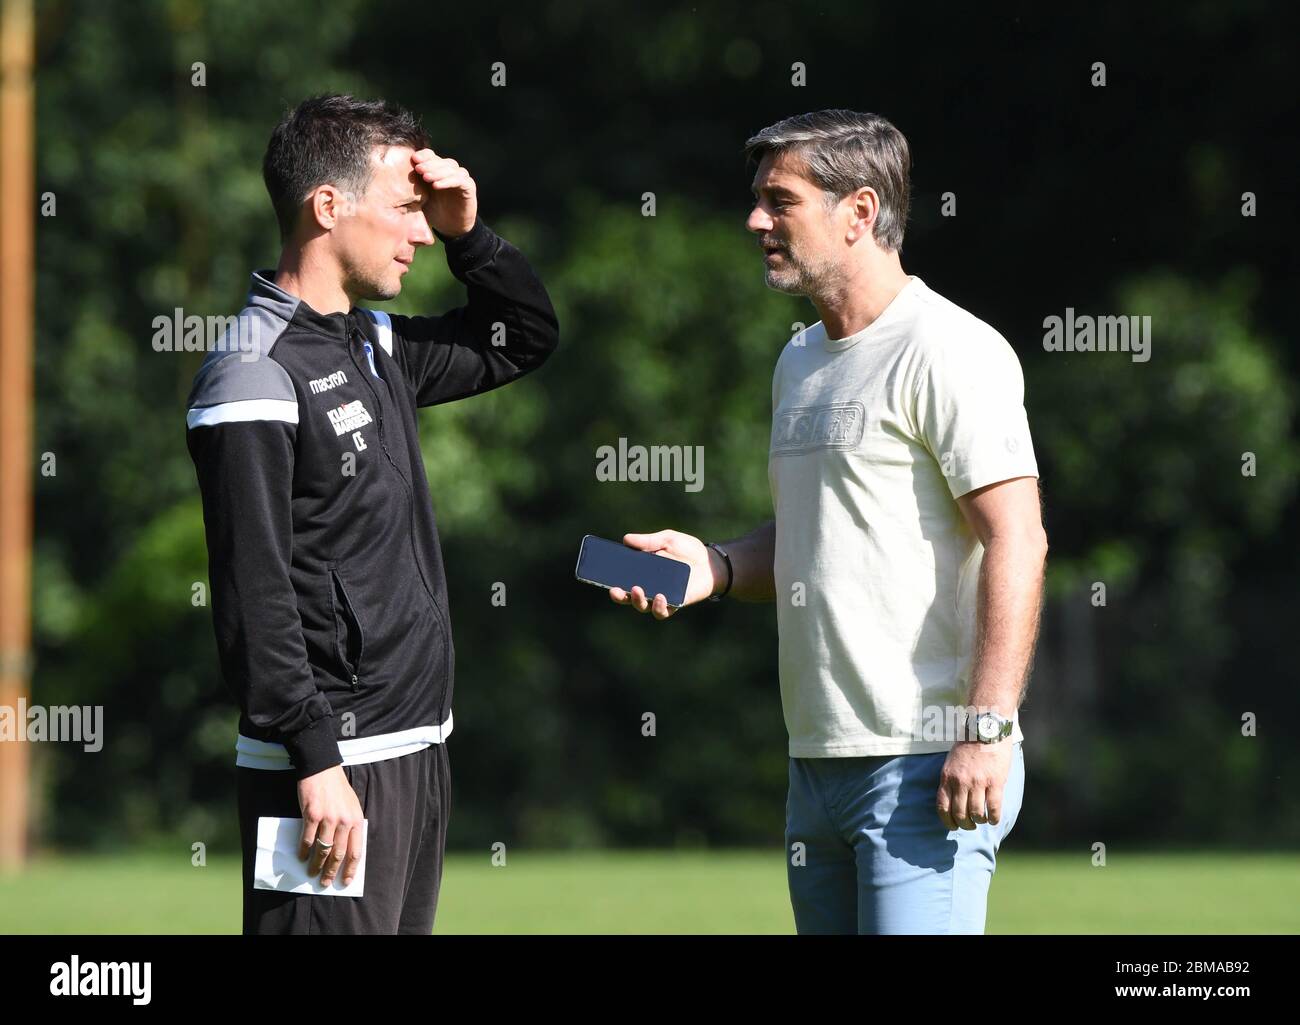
(668, 892)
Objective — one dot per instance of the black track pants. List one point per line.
(406, 802)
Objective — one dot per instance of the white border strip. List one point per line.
(243, 410)
(260, 754)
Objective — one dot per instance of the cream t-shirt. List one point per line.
(874, 437)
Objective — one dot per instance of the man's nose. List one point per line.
(423, 235)
(758, 221)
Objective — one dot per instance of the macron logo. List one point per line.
(349, 417)
(101, 979)
(320, 384)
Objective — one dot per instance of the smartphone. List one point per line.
(611, 564)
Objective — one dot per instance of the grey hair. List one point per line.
(843, 151)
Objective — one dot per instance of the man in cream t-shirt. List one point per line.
(905, 557)
(873, 437)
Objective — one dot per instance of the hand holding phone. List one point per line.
(693, 584)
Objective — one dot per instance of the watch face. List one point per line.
(988, 727)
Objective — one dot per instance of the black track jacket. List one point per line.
(329, 599)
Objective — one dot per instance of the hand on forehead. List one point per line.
(437, 170)
(397, 172)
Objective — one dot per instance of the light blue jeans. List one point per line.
(875, 857)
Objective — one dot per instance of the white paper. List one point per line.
(278, 867)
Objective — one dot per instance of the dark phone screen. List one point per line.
(610, 564)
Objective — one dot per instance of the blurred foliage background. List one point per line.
(1125, 199)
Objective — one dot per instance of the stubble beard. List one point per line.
(799, 275)
(368, 285)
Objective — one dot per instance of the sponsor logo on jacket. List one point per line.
(321, 384)
(349, 417)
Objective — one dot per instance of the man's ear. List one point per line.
(329, 204)
(864, 208)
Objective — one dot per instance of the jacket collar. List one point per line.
(265, 294)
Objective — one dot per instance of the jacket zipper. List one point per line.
(443, 621)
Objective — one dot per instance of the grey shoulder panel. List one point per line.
(238, 380)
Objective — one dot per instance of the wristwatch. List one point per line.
(730, 572)
(991, 727)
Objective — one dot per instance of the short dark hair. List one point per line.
(328, 140)
(842, 151)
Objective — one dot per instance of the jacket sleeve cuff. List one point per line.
(314, 749)
(471, 250)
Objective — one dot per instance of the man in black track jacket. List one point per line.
(328, 592)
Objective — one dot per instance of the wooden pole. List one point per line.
(17, 213)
